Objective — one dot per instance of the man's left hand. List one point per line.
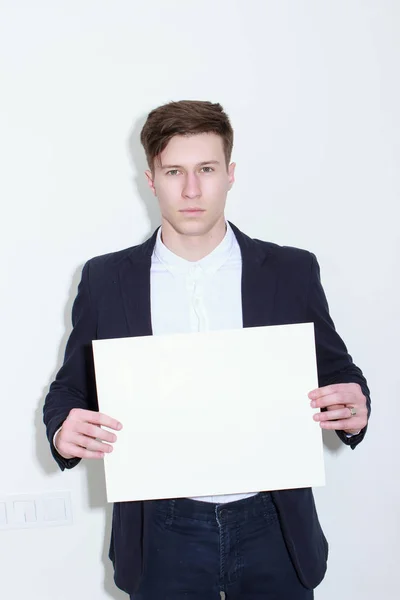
(346, 407)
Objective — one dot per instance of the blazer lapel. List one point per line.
(259, 281)
(134, 280)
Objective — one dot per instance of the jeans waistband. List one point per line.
(243, 510)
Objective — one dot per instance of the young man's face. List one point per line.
(191, 181)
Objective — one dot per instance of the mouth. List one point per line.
(192, 211)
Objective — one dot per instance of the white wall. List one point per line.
(313, 92)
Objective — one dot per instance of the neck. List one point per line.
(193, 247)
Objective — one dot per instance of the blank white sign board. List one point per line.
(220, 412)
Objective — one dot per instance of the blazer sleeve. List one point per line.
(74, 385)
(335, 365)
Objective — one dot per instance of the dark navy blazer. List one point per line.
(280, 285)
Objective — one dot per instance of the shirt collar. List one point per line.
(210, 263)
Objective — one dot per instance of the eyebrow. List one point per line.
(202, 164)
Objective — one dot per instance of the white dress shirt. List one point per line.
(197, 296)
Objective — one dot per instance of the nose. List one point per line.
(191, 187)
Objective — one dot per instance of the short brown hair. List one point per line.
(186, 117)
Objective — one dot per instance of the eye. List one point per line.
(207, 169)
(172, 172)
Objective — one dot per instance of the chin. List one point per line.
(194, 228)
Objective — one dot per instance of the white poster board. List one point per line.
(210, 413)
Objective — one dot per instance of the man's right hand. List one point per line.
(82, 436)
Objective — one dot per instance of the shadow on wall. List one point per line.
(331, 442)
(139, 166)
(94, 469)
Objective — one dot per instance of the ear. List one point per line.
(231, 174)
(150, 181)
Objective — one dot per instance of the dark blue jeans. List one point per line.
(195, 550)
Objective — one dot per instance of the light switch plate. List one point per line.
(26, 511)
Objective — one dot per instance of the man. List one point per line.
(199, 272)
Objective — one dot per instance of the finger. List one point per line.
(341, 424)
(332, 389)
(94, 432)
(332, 415)
(89, 443)
(97, 418)
(335, 398)
(78, 452)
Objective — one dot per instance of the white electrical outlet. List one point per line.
(24, 511)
